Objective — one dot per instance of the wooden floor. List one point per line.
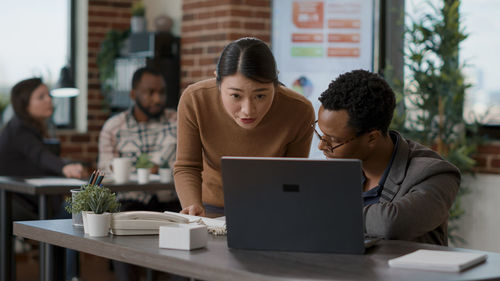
(92, 268)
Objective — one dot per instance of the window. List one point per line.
(37, 43)
(480, 54)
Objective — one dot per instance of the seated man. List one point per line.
(408, 189)
(145, 128)
(148, 127)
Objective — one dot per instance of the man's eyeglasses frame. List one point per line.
(330, 147)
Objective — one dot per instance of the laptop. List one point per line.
(294, 204)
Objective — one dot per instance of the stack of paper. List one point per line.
(449, 261)
(215, 226)
(55, 181)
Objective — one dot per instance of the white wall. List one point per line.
(171, 8)
(480, 225)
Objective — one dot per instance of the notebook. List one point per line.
(293, 204)
(449, 261)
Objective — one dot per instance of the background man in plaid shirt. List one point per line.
(147, 127)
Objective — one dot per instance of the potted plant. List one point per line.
(110, 49)
(138, 21)
(165, 173)
(95, 203)
(143, 166)
(4, 102)
(435, 91)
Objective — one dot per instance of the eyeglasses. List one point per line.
(321, 138)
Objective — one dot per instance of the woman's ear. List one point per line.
(215, 73)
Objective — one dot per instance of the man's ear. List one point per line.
(373, 137)
(132, 94)
(215, 73)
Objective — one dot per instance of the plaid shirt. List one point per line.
(123, 136)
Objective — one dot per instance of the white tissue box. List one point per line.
(183, 236)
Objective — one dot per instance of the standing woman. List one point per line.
(244, 111)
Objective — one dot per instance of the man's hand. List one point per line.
(73, 170)
(194, 210)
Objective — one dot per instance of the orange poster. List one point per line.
(344, 23)
(343, 52)
(307, 37)
(343, 38)
(308, 14)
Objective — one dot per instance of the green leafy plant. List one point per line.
(144, 161)
(93, 198)
(138, 9)
(431, 101)
(4, 102)
(165, 165)
(108, 52)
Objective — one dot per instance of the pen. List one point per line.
(91, 179)
(99, 178)
(95, 177)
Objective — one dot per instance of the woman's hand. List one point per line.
(73, 170)
(194, 210)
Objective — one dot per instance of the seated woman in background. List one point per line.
(24, 154)
(244, 111)
(22, 149)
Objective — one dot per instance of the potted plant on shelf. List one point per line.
(95, 203)
(143, 166)
(165, 173)
(138, 21)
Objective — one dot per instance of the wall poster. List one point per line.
(315, 41)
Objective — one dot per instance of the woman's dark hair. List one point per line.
(20, 97)
(249, 56)
(366, 96)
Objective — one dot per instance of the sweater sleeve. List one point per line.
(34, 150)
(188, 165)
(301, 146)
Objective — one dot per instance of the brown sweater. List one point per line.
(206, 132)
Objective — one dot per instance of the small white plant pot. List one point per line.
(165, 175)
(85, 222)
(137, 24)
(99, 224)
(143, 175)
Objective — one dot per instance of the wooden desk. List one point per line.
(9, 185)
(217, 262)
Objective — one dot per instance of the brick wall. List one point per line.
(207, 26)
(102, 16)
(488, 158)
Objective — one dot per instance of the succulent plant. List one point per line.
(144, 161)
(93, 198)
(138, 9)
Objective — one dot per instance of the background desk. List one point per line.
(9, 185)
(217, 262)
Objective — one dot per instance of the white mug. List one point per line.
(165, 175)
(121, 169)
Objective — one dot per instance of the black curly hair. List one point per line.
(366, 96)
